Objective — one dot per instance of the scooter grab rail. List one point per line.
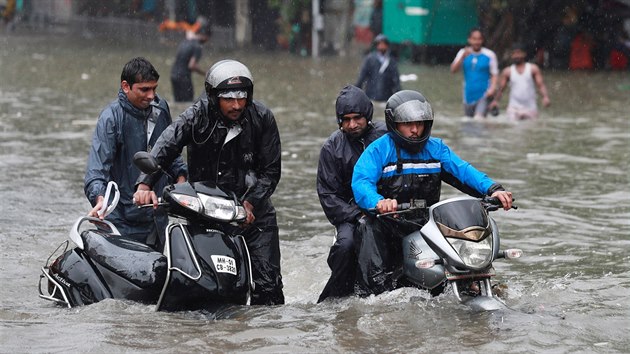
(108, 208)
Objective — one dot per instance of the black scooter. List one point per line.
(205, 264)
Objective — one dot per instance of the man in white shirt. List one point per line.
(523, 77)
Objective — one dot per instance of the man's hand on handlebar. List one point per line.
(249, 209)
(144, 195)
(505, 198)
(386, 206)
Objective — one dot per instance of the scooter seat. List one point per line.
(132, 260)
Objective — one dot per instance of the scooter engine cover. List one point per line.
(415, 248)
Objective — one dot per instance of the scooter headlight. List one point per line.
(473, 254)
(189, 202)
(220, 208)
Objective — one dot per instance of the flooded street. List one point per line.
(569, 172)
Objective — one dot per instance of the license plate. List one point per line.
(224, 264)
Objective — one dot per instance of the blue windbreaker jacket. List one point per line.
(378, 170)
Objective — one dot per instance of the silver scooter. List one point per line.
(456, 249)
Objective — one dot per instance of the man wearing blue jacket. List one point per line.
(406, 164)
(129, 124)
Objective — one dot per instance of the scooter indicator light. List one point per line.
(513, 253)
(425, 263)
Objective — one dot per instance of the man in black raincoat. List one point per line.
(129, 124)
(334, 176)
(229, 136)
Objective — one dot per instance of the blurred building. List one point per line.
(561, 34)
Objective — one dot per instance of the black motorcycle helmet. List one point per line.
(228, 76)
(352, 99)
(408, 106)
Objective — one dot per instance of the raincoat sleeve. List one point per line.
(395, 80)
(101, 156)
(367, 172)
(171, 142)
(331, 190)
(178, 167)
(363, 74)
(269, 159)
(465, 176)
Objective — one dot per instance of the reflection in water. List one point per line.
(569, 172)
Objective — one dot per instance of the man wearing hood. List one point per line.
(334, 175)
(129, 124)
(230, 138)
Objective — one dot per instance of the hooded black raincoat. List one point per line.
(334, 176)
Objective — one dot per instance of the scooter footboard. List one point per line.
(206, 269)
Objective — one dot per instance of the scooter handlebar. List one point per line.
(489, 203)
(150, 205)
(493, 203)
(402, 208)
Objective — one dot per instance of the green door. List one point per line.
(429, 22)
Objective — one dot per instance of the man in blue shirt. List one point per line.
(481, 72)
(403, 165)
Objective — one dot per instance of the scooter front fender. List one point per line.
(485, 303)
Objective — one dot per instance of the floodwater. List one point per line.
(569, 173)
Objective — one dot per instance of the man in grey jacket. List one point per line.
(129, 124)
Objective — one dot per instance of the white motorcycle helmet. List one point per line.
(229, 78)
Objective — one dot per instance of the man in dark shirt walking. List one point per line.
(187, 61)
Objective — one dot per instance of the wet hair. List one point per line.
(476, 29)
(138, 70)
(519, 46)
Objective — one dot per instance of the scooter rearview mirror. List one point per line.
(145, 162)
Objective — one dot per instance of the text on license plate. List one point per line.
(224, 264)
